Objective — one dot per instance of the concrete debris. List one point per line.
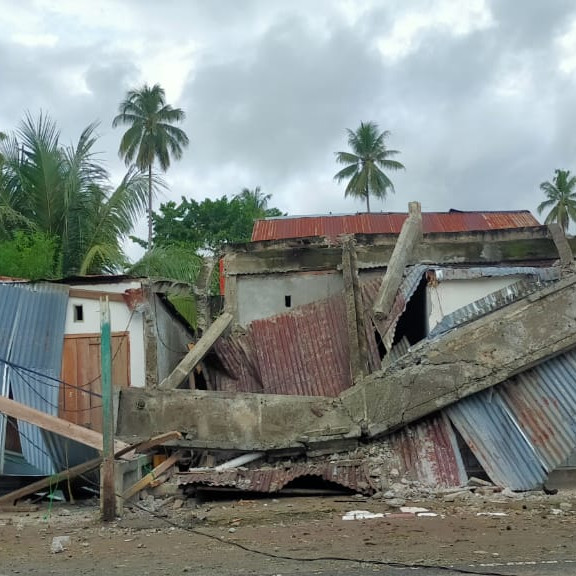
(396, 502)
(473, 481)
(460, 495)
(361, 515)
(565, 506)
(59, 544)
(491, 514)
(413, 509)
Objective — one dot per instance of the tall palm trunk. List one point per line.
(150, 206)
(367, 200)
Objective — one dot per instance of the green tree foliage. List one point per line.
(30, 255)
(560, 199)
(365, 163)
(151, 136)
(208, 224)
(65, 193)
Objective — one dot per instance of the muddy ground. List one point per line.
(199, 539)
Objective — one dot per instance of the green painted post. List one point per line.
(107, 490)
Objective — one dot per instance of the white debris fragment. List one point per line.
(59, 544)
(491, 514)
(361, 515)
(427, 514)
(413, 509)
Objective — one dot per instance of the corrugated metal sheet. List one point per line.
(429, 452)
(495, 439)
(526, 427)
(33, 317)
(304, 352)
(349, 474)
(543, 274)
(386, 223)
(489, 303)
(412, 277)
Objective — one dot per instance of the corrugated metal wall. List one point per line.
(524, 428)
(33, 317)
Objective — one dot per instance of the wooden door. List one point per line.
(81, 402)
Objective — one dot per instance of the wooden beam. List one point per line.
(195, 355)
(151, 476)
(50, 481)
(95, 294)
(10, 499)
(54, 424)
(158, 440)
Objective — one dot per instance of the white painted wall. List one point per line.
(121, 320)
(264, 296)
(451, 295)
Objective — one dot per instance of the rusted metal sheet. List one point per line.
(303, 352)
(387, 223)
(542, 401)
(348, 474)
(485, 423)
(412, 278)
(429, 452)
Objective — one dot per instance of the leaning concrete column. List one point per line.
(409, 237)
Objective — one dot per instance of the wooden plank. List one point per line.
(158, 440)
(151, 476)
(50, 481)
(54, 424)
(10, 498)
(195, 355)
(95, 295)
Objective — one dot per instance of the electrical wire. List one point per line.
(276, 556)
(46, 379)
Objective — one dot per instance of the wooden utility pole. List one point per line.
(107, 483)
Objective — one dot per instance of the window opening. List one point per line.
(78, 313)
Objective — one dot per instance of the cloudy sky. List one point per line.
(480, 96)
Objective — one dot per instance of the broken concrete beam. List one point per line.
(236, 421)
(197, 353)
(54, 424)
(409, 237)
(467, 360)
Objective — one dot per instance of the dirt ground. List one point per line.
(198, 539)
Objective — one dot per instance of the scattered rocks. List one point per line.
(565, 506)
(460, 495)
(396, 502)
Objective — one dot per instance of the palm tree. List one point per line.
(254, 199)
(151, 135)
(560, 198)
(65, 193)
(365, 163)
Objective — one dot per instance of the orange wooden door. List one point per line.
(81, 402)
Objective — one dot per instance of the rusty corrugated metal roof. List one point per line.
(387, 223)
(429, 451)
(303, 352)
(349, 474)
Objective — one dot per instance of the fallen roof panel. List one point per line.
(349, 474)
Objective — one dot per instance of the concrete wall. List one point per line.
(264, 296)
(171, 339)
(451, 295)
(121, 320)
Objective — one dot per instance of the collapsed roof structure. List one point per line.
(449, 335)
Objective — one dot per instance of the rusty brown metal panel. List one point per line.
(387, 223)
(349, 474)
(429, 452)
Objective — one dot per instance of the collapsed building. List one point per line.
(438, 345)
